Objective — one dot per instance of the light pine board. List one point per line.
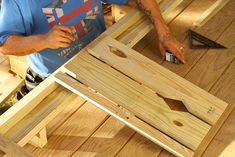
(70, 135)
(155, 77)
(208, 30)
(140, 100)
(79, 66)
(210, 12)
(136, 146)
(122, 114)
(223, 143)
(107, 140)
(12, 149)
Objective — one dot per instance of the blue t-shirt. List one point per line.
(30, 17)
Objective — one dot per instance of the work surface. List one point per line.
(84, 130)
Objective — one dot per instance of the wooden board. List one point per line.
(107, 140)
(19, 65)
(79, 128)
(210, 12)
(122, 86)
(12, 149)
(26, 105)
(30, 103)
(123, 115)
(9, 86)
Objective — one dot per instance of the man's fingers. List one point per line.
(180, 56)
(68, 29)
(67, 35)
(64, 40)
(63, 45)
(162, 51)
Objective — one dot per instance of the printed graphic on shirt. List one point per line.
(77, 13)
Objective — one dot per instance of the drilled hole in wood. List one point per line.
(117, 52)
(177, 123)
(127, 117)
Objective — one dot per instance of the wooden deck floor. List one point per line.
(83, 130)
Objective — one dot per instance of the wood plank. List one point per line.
(3, 58)
(223, 143)
(135, 148)
(41, 115)
(11, 148)
(227, 13)
(19, 65)
(146, 104)
(156, 77)
(74, 132)
(123, 115)
(212, 30)
(179, 27)
(8, 87)
(68, 110)
(75, 104)
(26, 105)
(210, 12)
(214, 62)
(187, 17)
(107, 140)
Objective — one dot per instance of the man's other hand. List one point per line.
(59, 37)
(168, 42)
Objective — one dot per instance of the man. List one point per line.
(50, 32)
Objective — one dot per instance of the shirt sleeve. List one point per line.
(11, 20)
(120, 2)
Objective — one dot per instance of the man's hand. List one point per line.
(167, 42)
(59, 37)
(19, 45)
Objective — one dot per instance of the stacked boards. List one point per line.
(139, 92)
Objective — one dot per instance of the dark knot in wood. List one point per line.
(178, 123)
(117, 52)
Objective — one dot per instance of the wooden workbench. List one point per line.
(84, 130)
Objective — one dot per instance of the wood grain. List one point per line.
(11, 148)
(33, 122)
(210, 12)
(134, 148)
(223, 143)
(107, 140)
(145, 104)
(26, 105)
(157, 78)
(123, 115)
(214, 62)
(70, 135)
(212, 30)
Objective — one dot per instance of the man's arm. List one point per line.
(57, 37)
(166, 40)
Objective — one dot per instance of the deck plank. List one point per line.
(223, 144)
(107, 140)
(74, 132)
(149, 49)
(213, 30)
(218, 89)
(136, 146)
(212, 65)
